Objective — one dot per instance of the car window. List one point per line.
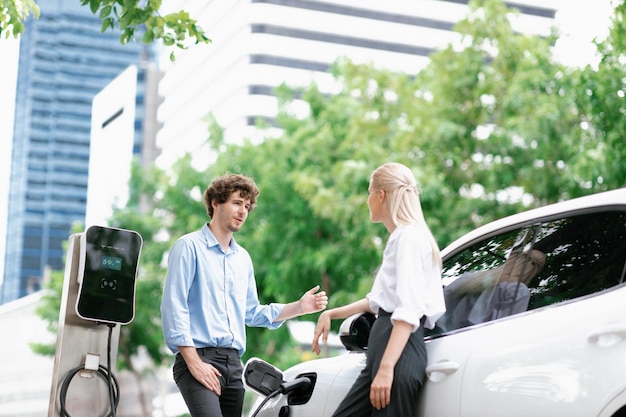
(532, 267)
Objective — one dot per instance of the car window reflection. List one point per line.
(480, 296)
(532, 267)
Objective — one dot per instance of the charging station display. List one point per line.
(107, 274)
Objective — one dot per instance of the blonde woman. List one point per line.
(407, 296)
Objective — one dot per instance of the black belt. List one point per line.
(223, 350)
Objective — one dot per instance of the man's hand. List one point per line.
(204, 372)
(207, 375)
(313, 301)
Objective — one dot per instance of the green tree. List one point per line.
(600, 152)
(494, 115)
(294, 246)
(133, 18)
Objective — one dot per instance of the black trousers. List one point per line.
(408, 377)
(203, 402)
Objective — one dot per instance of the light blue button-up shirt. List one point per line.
(210, 296)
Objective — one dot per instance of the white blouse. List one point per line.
(408, 284)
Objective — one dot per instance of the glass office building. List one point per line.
(64, 62)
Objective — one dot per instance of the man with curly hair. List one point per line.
(209, 297)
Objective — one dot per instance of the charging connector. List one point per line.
(289, 386)
(92, 363)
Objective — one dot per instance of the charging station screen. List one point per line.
(107, 290)
(111, 262)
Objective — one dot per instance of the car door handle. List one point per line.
(608, 335)
(439, 371)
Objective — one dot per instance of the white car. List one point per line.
(535, 325)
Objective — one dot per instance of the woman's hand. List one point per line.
(321, 329)
(380, 390)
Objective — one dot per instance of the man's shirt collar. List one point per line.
(212, 241)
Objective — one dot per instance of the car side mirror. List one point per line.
(261, 377)
(355, 331)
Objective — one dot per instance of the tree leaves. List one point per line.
(173, 29)
(12, 15)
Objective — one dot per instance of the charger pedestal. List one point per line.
(76, 338)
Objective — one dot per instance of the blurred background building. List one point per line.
(64, 61)
(260, 44)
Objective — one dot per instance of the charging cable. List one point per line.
(92, 365)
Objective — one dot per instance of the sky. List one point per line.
(580, 21)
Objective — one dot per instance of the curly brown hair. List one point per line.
(222, 187)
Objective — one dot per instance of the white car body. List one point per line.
(561, 358)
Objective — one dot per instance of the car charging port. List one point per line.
(301, 393)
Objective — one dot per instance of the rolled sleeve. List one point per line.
(261, 315)
(175, 316)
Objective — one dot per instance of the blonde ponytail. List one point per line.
(402, 193)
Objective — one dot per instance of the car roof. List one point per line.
(608, 199)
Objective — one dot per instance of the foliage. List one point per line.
(48, 309)
(143, 334)
(133, 17)
(600, 152)
(12, 15)
(493, 112)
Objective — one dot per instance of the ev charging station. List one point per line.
(98, 296)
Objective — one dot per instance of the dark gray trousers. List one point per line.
(408, 375)
(204, 403)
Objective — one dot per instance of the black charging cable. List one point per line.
(114, 394)
(103, 372)
(265, 400)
